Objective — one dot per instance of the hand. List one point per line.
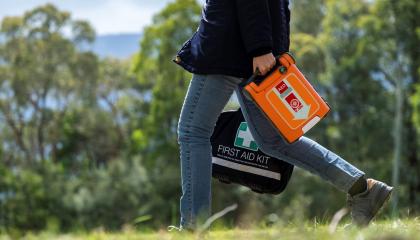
(264, 63)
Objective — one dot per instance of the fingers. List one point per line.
(263, 66)
(264, 63)
(273, 62)
(266, 66)
(264, 70)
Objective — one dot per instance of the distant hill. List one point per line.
(117, 45)
(120, 46)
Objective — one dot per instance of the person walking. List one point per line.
(233, 40)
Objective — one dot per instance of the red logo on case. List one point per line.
(294, 102)
(281, 87)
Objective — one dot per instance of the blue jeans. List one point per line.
(206, 97)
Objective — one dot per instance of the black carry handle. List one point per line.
(257, 78)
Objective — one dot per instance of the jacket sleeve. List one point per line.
(255, 26)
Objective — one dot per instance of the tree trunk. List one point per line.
(412, 138)
(399, 97)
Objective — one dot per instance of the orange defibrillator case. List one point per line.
(287, 98)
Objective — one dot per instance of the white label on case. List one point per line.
(310, 124)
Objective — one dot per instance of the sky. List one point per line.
(106, 16)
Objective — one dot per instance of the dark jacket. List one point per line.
(232, 32)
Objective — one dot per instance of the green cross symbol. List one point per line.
(244, 138)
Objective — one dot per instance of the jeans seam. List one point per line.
(189, 190)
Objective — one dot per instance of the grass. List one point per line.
(386, 230)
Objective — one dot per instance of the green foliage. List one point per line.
(359, 101)
(32, 196)
(104, 197)
(40, 66)
(66, 122)
(108, 197)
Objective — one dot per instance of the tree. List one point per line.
(394, 29)
(66, 127)
(41, 72)
(54, 91)
(374, 61)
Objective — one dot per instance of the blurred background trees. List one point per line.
(89, 142)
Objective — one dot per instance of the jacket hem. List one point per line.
(215, 70)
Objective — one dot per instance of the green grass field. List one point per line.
(399, 229)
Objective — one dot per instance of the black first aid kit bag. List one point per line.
(237, 158)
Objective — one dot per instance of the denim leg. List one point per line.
(304, 153)
(206, 97)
